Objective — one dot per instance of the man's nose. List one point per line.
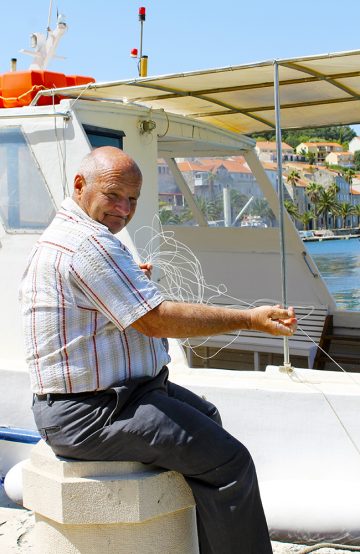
(123, 206)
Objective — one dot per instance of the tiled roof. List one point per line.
(270, 145)
(191, 166)
(235, 165)
(322, 144)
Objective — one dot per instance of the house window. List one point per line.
(98, 136)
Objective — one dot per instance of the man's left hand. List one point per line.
(147, 269)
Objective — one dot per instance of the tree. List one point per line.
(211, 178)
(333, 189)
(356, 212)
(345, 209)
(167, 217)
(293, 177)
(313, 191)
(310, 157)
(357, 160)
(327, 204)
(291, 208)
(340, 133)
(305, 219)
(260, 207)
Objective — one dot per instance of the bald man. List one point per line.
(94, 335)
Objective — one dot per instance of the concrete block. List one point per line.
(108, 507)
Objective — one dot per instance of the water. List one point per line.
(339, 264)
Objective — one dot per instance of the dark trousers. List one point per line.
(157, 422)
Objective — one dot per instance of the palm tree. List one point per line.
(313, 191)
(305, 219)
(167, 217)
(333, 189)
(293, 177)
(345, 209)
(310, 157)
(291, 208)
(260, 207)
(348, 175)
(327, 204)
(357, 213)
(211, 178)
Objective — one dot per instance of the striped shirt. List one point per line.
(80, 294)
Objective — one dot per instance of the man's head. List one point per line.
(107, 187)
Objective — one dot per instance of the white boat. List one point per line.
(302, 426)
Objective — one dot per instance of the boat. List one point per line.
(300, 424)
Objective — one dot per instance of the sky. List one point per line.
(178, 36)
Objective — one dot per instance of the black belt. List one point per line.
(66, 396)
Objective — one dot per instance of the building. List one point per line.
(354, 144)
(345, 159)
(266, 151)
(319, 149)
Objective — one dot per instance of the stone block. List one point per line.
(108, 507)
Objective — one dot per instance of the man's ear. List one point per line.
(79, 184)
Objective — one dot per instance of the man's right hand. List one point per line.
(274, 320)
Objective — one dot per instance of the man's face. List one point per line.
(111, 197)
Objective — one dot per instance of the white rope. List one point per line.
(321, 545)
(182, 280)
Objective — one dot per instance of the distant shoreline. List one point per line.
(334, 237)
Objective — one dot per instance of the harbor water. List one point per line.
(338, 262)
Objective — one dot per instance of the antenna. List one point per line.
(143, 60)
(44, 47)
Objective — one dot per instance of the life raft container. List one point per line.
(19, 88)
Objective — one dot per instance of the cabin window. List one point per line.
(25, 201)
(98, 136)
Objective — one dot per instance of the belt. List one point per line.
(66, 396)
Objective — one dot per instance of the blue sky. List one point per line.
(179, 36)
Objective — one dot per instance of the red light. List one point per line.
(142, 11)
(134, 53)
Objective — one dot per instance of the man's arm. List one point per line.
(180, 320)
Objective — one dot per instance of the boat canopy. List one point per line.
(241, 98)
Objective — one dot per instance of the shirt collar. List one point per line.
(71, 206)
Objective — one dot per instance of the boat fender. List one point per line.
(13, 483)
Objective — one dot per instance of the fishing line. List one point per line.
(182, 280)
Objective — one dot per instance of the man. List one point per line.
(94, 324)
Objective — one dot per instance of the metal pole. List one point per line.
(227, 206)
(281, 203)
(141, 37)
(48, 28)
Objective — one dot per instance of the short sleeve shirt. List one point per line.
(80, 293)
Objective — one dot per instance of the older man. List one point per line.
(94, 328)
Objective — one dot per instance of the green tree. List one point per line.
(291, 208)
(260, 207)
(333, 189)
(313, 191)
(357, 213)
(305, 219)
(327, 204)
(357, 160)
(211, 178)
(345, 209)
(293, 177)
(310, 157)
(167, 217)
(340, 133)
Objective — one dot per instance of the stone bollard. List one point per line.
(107, 507)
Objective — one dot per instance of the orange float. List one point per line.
(19, 88)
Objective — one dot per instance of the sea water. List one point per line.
(338, 262)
